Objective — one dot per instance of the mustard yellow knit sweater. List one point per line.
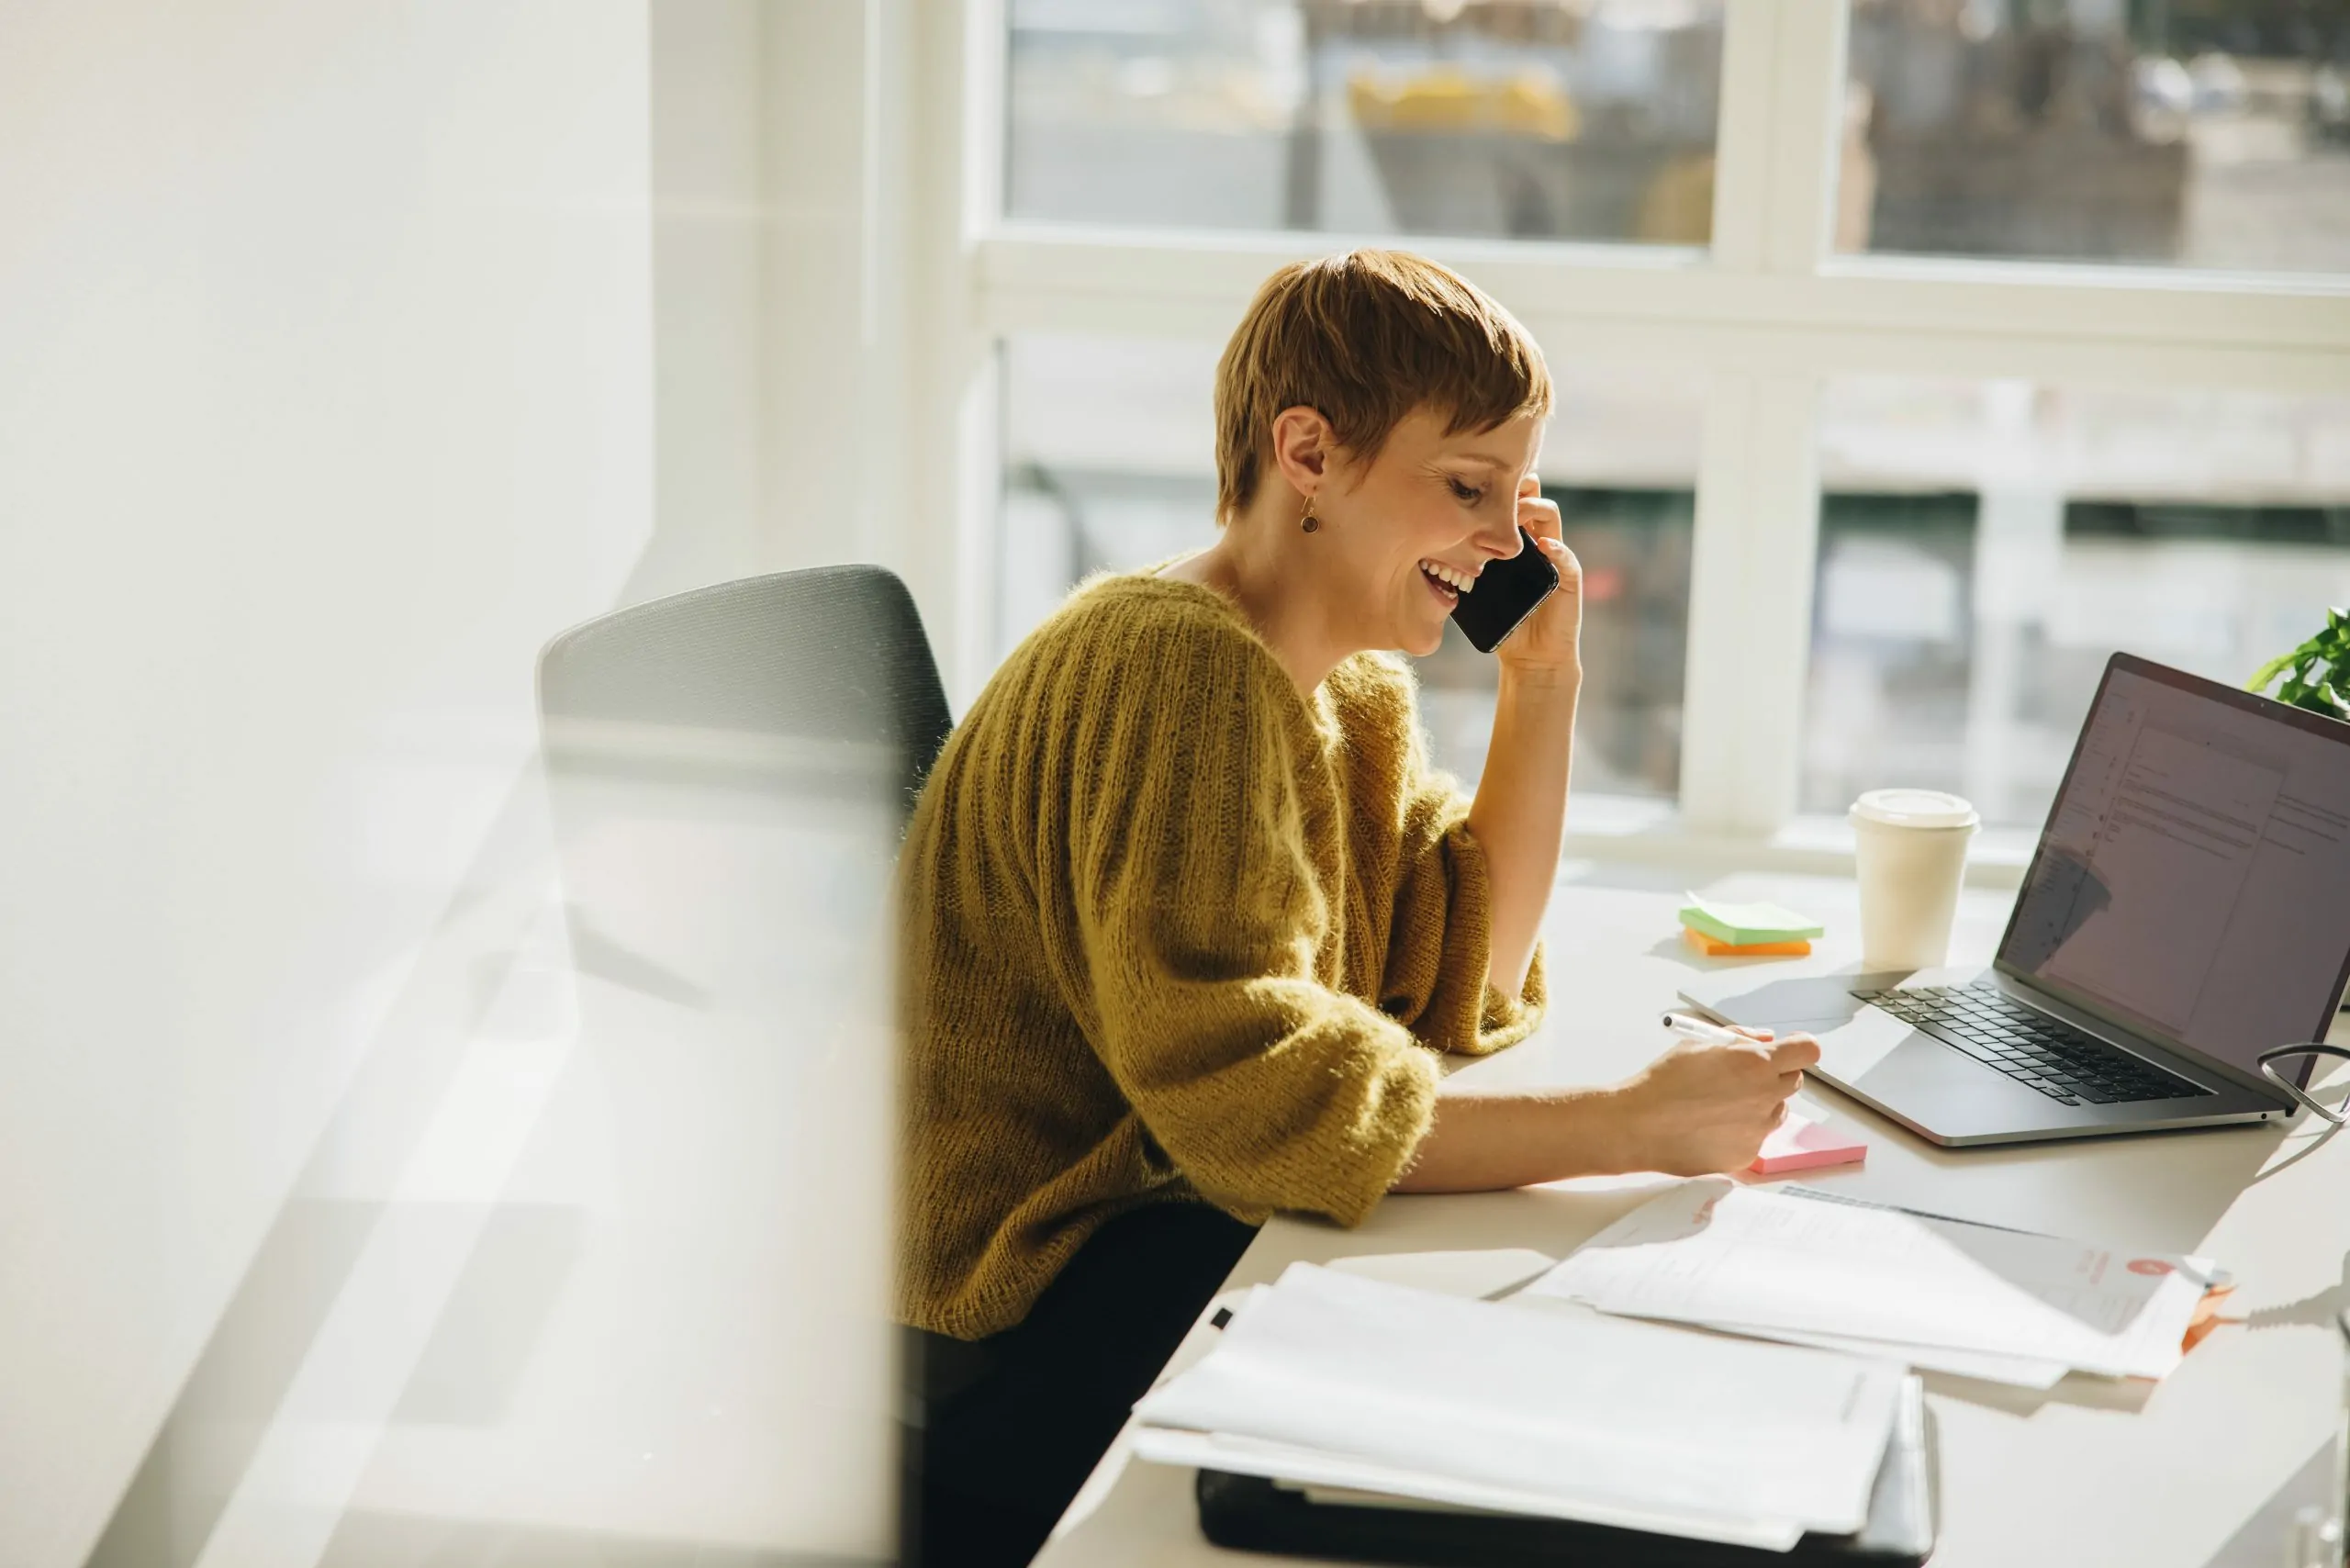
(1173, 933)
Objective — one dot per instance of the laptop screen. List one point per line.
(2194, 878)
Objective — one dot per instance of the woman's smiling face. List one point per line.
(1407, 532)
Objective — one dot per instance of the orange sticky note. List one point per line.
(2206, 1316)
(1714, 948)
(1797, 1143)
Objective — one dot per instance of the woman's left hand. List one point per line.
(1549, 639)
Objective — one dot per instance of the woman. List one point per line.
(1188, 917)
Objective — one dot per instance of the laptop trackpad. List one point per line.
(1814, 1002)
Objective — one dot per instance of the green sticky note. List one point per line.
(1743, 924)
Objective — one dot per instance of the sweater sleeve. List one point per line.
(1200, 914)
(1440, 943)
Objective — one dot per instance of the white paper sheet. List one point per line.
(1486, 1274)
(1592, 1413)
(1723, 1255)
(2021, 1372)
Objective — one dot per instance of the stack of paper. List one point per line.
(1819, 1268)
(1331, 1380)
(1746, 930)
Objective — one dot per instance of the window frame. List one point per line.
(1764, 314)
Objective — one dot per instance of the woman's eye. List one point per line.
(1467, 494)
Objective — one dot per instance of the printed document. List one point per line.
(1335, 1381)
(1810, 1264)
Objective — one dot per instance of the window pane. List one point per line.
(1984, 547)
(2208, 133)
(1561, 119)
(1109, 466)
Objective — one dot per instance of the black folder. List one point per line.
(1252, 1514)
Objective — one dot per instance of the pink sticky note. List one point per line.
(1800, 1144)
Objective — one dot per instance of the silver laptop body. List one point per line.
(2187, 907)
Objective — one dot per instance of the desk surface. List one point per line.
(2091, 1471)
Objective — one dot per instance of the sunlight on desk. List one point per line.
(2090, 1470)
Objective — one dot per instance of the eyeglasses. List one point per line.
(2308, 1048)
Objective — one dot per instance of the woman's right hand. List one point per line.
(1701, 1108)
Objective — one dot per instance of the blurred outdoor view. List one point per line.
(2199, 133)
(1983, 548)
(2208, 133)
(1580, 120)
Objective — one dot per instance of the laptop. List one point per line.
(2187, 907)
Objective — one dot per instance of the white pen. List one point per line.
(1698, 1029)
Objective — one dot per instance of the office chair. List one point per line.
(828, 653)
(730, 770)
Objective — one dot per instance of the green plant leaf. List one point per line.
(2269, 672)
(2318, 702)
(2316, 675)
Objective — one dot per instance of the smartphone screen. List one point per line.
(1505, 594)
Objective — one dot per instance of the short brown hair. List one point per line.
(1364, 339)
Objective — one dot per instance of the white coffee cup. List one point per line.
(1909, 848)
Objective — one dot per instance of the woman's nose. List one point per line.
(1498, 537)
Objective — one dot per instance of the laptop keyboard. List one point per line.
(2066, 1064)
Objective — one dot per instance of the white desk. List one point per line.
(2090, 1472)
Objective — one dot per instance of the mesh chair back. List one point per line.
(831, 654)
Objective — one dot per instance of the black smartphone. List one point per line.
(1505, 594)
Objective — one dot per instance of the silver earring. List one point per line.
(1309, 522)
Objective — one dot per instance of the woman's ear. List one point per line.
(1302, 443)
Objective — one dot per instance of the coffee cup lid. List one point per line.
(1914, 808)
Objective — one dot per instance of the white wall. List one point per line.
(349, 350)
(327, 344)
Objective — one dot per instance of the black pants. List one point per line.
(1013, 1424)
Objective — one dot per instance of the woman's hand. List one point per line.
(1551, 639)
(1696, 1110)
(1701, 1108)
